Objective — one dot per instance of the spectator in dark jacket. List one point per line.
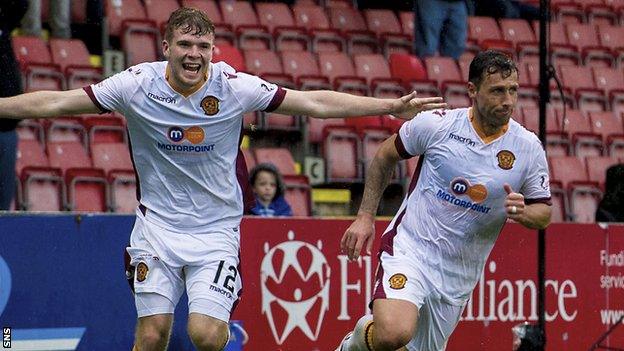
(268, 187)
(611, 208)
(11, 12)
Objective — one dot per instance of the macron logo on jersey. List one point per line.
(168, 99)
(462, 139)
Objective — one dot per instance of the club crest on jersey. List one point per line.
(506, 159)
(142, 271)
(397, 281)
(210, 105)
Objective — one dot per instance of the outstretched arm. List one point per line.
(328, 104)
(362, 231)
(41, 104)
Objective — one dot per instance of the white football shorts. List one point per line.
(165, 262)
(401, 276)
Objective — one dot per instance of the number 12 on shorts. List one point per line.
(229, 278)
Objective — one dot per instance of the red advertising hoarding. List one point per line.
(300, 293)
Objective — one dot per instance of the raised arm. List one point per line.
(42, 104)
(362, 230)
(329, 104)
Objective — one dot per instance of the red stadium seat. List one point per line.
(583, 195)
(566, 11)
(73, 59)
(445, 71)
(316, 126)
(578, 127)
(314, 19)
(611, 81)
(585, 38)
(42, 189)
(557, 142)
(580, 81)
(267, 64)
(407, 23)
(141, 41)
(374, 68)
(386, 26)
(411, 71)
(38, 71)
(280, 157)
(30, 129)
(279, 20)
(30, 153)
(597, 168)
(599, 12)
(67, 154)
(341, 150)
(79, 11)
(231, 55)
(562, 52)
(520, 33)
(297, 194)
(610, 127)
(482, 28)
(360, 124)
(338, 67)
(105, 129)
(304, 68)
(122, 192)
(111, 157)
(119, 11)
(612, 38)
(242, 17)
(223, 31)
(372, 138)
(87, 190)
(160, 10)
(351, 23)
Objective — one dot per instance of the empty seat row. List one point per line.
(577, 185)
(574, 133)
(63, 64)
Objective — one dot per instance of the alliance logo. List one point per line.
(294, 278)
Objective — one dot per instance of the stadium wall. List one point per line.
(62, 283)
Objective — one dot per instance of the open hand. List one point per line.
(408, 106)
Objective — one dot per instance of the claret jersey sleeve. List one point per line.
(256, 94)
(536, 187)
(417, 134)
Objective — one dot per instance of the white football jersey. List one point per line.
(185, 150)
(454, 210)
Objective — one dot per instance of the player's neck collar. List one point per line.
(480, 130)
(189, 92)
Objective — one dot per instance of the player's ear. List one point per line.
(472, 90)
(166, 49)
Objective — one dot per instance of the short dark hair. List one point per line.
(490, 62)
(268, 167)
(189, 20)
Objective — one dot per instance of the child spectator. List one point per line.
(268, 187)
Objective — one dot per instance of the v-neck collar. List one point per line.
(195, 89)
(474, 130)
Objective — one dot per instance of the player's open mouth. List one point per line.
(191, 67)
